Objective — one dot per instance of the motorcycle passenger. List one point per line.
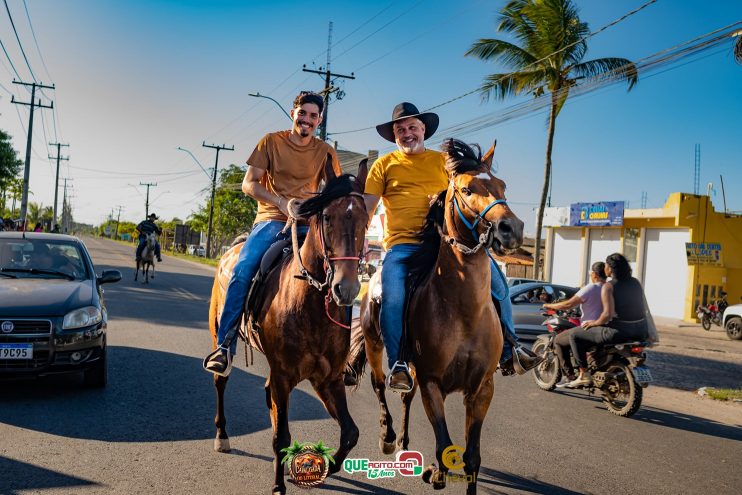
(591, 307)
(145, 227)
(623, 319)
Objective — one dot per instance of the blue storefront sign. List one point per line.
(603, 214)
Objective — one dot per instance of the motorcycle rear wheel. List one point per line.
(706, 323)
(547, 374)
(622, 395)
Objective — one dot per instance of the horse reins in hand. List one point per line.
(327, 263)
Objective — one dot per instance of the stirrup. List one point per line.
(212, 355)
(517, 367)
(403, 368)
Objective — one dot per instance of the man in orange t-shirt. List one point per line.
(284, 165)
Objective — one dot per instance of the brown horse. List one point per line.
(301, 332)
(454, 339)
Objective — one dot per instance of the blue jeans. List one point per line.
(393, 277)
(500, 291)
(262, 236)
(142, 243)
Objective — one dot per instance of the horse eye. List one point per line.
(325, 217)
(466, 191)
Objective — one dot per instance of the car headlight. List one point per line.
(83, 317)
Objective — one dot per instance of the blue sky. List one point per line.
(137, 79)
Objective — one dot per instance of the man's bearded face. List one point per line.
(306, 119)
(409, 134)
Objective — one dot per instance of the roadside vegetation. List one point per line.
(725, 393)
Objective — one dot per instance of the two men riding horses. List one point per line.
(288, 165)
(144, 228)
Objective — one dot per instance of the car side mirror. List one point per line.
(109, 276)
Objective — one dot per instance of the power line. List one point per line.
(7, 9)
(36, 42)
(213, 190)
(18, 76)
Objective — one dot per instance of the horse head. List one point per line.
(338, 216)
(150, 240)
(477, 199)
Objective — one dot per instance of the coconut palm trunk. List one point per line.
(537, 265)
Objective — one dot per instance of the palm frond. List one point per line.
(619, 68)
(499, 50)
(514, 83)
(738, 48)
(291, 451)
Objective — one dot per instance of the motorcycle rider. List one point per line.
(145, 227)
(624, 316)
(591, 307)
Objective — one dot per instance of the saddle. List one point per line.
(272, 259)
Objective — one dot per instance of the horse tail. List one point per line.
(213, 310)
(356, 364)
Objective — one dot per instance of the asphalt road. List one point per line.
(150, 431)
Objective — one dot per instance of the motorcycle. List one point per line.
(712, 313)
(618, 370)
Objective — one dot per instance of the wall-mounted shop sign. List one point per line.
(603, 214)
(703, 253)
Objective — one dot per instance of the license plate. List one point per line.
(642, 374)
(16, 351)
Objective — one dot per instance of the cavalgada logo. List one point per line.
(308, 463)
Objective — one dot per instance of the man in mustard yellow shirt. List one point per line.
(405, 180)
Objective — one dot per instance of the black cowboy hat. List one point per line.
(404, 111)
(153, 215)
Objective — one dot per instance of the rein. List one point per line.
(326, 261)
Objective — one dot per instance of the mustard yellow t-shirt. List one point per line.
(405, 183)
(292, 171)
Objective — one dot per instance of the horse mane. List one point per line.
(430, 238)
(460, 157)
(336, 187)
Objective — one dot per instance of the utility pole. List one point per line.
(56, 180)
(118, 220)
(27, 169)
(146, 201)
(65, 222)
(213, 192)
(329, 88)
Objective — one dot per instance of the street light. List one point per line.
(258, 95)
(195, 159)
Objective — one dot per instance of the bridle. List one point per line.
(484, 239)
(327, 261)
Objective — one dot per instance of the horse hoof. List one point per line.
(387, 447)
(278, 490)
(428, 473)
(221, 445)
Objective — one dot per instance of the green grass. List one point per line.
(724, 393)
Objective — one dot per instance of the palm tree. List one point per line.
(738, 47)
(546, 60)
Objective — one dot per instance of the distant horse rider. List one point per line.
(148, 226)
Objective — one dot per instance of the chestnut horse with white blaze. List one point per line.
(302, 333)
(454, 338)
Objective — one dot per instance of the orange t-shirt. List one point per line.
(292, 171)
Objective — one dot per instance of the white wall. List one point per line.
(666, 271)
(566, 257)
(602, 242)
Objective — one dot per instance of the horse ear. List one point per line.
(361, 176)
(329, 170)
(487, 158)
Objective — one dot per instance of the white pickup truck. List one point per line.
(733, 321)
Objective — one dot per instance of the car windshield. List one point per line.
(23, 258)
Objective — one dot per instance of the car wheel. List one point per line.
(734, 328)
(97, 375)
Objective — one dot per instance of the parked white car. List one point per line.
(733, 321)
(194, 250)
